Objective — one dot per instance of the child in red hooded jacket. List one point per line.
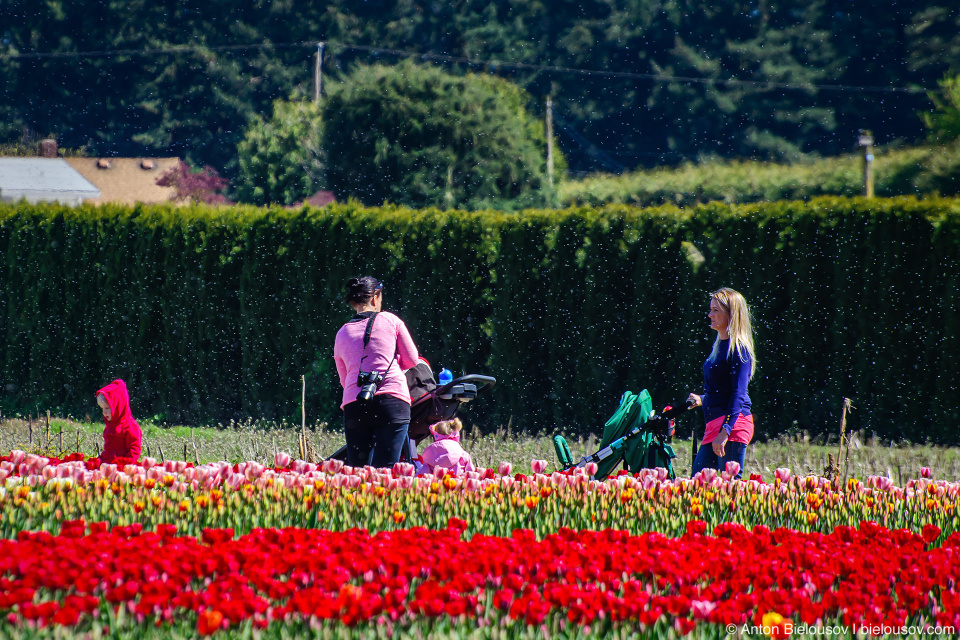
(121, 433)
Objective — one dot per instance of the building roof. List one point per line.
(43, 180)
(126, 180)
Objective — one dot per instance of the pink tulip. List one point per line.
(591, 469)
(170, 466)
(181, 465)
(558, 479)
(8, 466)
(331, 466)
(393, 484)
(49, 473)
(925, 472)
(783, 475)
(281, 460)
(146, 463)
(472, 484)
(4, 474)
(538, 466)
(406, 482)
(733, 468)
(16, 457)
(504, 468)
(705, 476)
(402, 469)
(23, 470)
(701, 609)
(441, 472)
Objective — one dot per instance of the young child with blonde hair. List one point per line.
(446, 451)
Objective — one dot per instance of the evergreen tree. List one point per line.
(417, 136)
(281, 158)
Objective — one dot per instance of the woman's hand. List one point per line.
(720, 442)
(695, 399)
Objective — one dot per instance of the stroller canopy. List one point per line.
(634, 410)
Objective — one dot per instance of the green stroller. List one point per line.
(636, 434)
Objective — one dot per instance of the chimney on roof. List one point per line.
(48, 148)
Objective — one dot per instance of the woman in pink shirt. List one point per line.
(372, 351)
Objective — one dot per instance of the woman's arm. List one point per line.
(338, 359)
(406, 349)
(739, 378)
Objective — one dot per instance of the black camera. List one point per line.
(369, 382)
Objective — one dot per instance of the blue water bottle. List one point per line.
(444, 377)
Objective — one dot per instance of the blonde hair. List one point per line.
(448, 427)
(740, 327)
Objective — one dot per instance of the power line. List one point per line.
(493, 63)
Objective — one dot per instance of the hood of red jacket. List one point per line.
(119, 401)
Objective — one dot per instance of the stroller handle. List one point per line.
(676, 411)
(483, 383)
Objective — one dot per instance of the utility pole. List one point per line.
(318, 71)
(866, 141)
(550, 141)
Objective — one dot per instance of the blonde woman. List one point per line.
(726, 373)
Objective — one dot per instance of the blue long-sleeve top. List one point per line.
(725, 385)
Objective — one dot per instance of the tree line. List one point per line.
(635, 82)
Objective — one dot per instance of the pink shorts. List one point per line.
(742, 429)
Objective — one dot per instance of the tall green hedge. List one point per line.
(215, 313)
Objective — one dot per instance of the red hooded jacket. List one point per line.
(121, 435)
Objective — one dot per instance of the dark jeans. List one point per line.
(378, 446)
(733, 452)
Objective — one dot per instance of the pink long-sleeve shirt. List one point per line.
(447, 452)
(390, 351)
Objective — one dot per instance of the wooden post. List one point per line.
(847, 406)
(78, 440)
(550, 141)
(30, 427)
(693, 447)
(184, 451)
(303, 405)
(47, 439)
(160, 447)
(866, 141)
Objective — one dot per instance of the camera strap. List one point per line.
(370, 316)
(366, 334)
